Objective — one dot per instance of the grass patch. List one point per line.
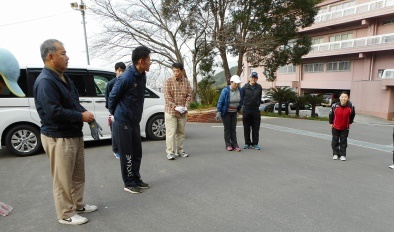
(269, 114)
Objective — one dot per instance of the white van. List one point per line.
(20, 123)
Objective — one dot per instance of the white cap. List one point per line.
(236, 79)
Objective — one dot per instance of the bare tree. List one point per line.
(127, 24)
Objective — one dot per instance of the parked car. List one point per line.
(20, 123)
(305, 111)
(267, 107)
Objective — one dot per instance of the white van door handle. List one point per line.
(85, 101)
(100, 101)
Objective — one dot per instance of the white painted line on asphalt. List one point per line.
(374, 146)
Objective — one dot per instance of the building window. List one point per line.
(338, 66)
(287, 69)
(389, 21)
(317, 41)
(313, 68)
(341, 37)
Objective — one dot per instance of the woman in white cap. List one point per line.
(230, 102)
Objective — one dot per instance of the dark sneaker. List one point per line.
(246, 146)
(74, 220)
(183, 154)
(142, 185)
(133, 189)
(87, 209)
(256, 147)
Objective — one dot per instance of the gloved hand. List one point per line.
(178, 108)
(112, 118)
(95, 130)
(218, 116)
(184, 109)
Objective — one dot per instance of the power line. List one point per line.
(30, 20)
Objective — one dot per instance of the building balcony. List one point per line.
(359, 45)
(354, 13)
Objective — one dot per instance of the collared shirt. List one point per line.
(177, 93)
(58, 73)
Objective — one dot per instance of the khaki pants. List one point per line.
(66, 156)
(175, 132)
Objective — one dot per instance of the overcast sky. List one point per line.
(25, 24)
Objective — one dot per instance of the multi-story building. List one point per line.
(353, 43)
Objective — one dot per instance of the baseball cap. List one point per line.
(254, 74)
(236, 79)
(9, 71)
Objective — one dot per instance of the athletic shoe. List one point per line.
(237, 149)
(229, 148)
(256, 147)
(170, 157)
(87, 209)
(183, 154)
(142, 185)
(74, 220)
(117, 155)
(133, 189)
(391, 166)
(246, 146)
(335, 157)
(343, 158)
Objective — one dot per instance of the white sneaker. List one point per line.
(335, 157)
(183, 154)
(74, 220)
(391, 166)
(87, 209)
(343, 158)
(170, 157)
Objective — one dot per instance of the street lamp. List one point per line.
(82, 8)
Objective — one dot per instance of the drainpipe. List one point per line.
(373, 53)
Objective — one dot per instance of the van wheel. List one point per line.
(156, 128)
(23, 140)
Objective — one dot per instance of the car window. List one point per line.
(78, 79)
(100, 81)
(292, 107)
(150, 94)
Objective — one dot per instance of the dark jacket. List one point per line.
(58, 106)
(108, 90)
(341, 116)
(126, 100)
(224, 101)
(251, 97)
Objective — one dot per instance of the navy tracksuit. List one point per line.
(126, 103)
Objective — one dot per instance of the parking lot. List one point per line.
(292, 184)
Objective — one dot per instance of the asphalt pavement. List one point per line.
(292, 184)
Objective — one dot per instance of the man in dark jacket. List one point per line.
(252, 93)
(62, 118)
(125, 103)
(119, 69)
(341, 116)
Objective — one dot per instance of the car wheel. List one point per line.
(23, 140)
(156, 128)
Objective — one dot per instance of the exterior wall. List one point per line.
(369, 98)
